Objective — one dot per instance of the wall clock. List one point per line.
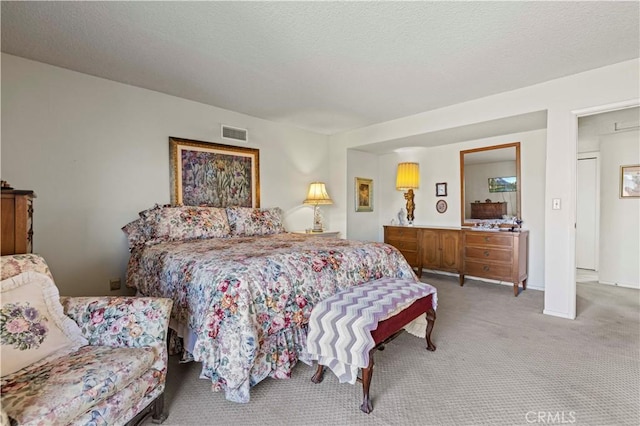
(441, 206)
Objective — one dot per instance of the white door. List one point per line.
(587, 214)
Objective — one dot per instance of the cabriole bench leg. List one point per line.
(319, 375)
(431, 319)
(367, 372)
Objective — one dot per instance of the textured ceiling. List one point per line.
(325, 66)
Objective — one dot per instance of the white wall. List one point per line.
(619, 217)
(442, 164)
(96, 152)
(562, 99)
(362, 226)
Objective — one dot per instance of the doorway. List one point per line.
(605, 140)
(616, 251)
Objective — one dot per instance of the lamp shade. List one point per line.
(408, 176)
(318, 194)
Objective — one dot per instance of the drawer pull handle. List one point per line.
(486, 239)
(486, 253)
(486, 268)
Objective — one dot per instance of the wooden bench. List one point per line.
(388, 329)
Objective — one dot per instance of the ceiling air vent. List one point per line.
(235, 134)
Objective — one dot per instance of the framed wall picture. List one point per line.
(364, 195)
(216, 175)
(441, 189)
(630, 181)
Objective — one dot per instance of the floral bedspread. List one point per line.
(248, 299)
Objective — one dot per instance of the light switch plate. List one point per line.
(555, 203)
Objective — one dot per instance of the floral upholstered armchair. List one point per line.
(78, 360)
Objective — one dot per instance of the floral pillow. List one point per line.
(150, 220)
(136, 233)
(247, 221)
(144, 228)
(32, 323)
(189, 222)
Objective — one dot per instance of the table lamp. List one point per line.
(408, 179)
(317, 195)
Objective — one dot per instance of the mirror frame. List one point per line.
(515, 145)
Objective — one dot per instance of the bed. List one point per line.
(243, 294)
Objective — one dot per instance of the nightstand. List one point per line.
(319, 234)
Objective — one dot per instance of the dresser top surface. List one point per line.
(17, 192)
(450, 228)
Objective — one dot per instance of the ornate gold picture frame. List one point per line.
(364, 195)
(216, 175)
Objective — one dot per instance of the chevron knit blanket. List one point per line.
(339, 335)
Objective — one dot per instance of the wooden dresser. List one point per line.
(17, 222)
(488, 210)
(424, 247)
(498, 256)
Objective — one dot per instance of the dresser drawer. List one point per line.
(403, 245)
(496, 271)
(483, 253)
(488, 238)
(399, 233)
(411, 256)
(408, 249)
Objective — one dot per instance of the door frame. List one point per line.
(630, 103)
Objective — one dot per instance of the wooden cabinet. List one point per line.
(405, 239)
(488, 210)
(431, 248)
(441, 249)
(17, 222)
(498, 256)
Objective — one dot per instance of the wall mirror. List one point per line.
(490, 184)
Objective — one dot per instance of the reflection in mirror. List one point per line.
(490, 184)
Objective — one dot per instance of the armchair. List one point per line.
(118, 378)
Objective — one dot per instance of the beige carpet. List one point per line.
(499, 362)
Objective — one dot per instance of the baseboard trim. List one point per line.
(625, 285)
(558, 314)
(486, 280)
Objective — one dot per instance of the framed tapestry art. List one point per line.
(216, 175)
(364, 195)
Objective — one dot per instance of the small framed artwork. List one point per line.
(364, 195)
(441, 206)
(216, 175)
(630, 181)
(441, 189)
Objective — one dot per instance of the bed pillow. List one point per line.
(144, 228)
(150, 221)
(32, 323)
(190, 222)
(136, 233)
(247, 221)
